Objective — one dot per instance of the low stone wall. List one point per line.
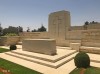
(91, 38)
(33, 35)
(9, 40)
(90, 26)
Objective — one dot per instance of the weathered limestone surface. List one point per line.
(9, 40)
(45, 46)
(59, 24)
(75, 46)
(87, 27)
(33, 35)
(91, 38)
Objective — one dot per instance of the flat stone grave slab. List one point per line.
(45, 46)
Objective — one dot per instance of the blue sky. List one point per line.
(33, 13)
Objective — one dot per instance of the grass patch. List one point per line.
(3, 50)
(15, 68)
(1, 73)
(90, 70)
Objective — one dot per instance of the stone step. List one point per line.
(90, 49)
(94, 57)
(45, 57)
(42, 62)
(95, 64)
(64, 69)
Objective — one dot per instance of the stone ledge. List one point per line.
(90, 49)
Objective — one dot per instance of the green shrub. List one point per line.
(13, 47)
(82, 60)
(11, 34)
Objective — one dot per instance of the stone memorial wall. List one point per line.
(59, 24)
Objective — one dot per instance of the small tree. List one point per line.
(20, 29)
(34, 30)
(28, 29)
(41, 29)
(86, 23)
(1, 30)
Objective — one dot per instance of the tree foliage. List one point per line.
(10, 29)
(20, 29)
(34, 30)
(86, 23)
(1, 29)
(93, 22)
(28, 29)
(41, 29)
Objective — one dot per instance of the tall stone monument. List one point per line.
(59, 24)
